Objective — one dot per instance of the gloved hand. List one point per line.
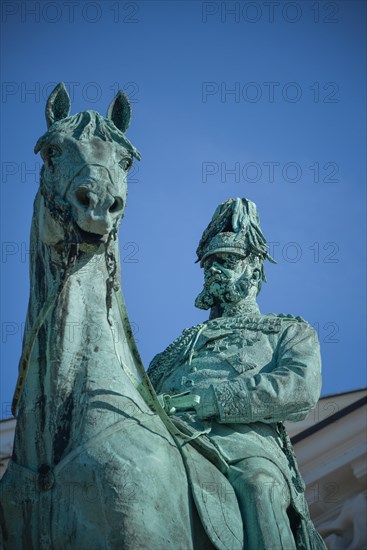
(208, 403)
(179, 402)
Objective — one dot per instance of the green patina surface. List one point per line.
(100, 460)
(239, 376)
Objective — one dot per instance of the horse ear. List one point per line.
(119, 111)
(58, 105)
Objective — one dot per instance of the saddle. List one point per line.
(214, 497)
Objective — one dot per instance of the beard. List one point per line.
(217, 292)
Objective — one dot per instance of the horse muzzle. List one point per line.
(96, 206)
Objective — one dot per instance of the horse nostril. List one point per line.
(116, 206)
(88, 200)
(82, 197)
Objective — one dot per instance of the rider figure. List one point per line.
(251, 372)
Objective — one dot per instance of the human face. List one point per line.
(221, 273)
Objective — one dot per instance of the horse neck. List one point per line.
(76, 385)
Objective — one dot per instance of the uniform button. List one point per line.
(189, 383)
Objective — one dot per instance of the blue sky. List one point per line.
(229, 99)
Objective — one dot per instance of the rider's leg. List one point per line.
(264, 499)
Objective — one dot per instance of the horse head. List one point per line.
(77, 209)
(83, 179)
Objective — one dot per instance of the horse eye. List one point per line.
(126, 163)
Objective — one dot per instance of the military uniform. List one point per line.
(263, 370)
(252, 372)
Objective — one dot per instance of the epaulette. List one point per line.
(254, 322)
(287, 317)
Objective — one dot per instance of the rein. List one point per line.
(145, 387)
(28, 345)
(61, 213)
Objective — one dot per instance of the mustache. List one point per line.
(214, 277)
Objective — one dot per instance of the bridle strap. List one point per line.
(29, 344)
(146, 388)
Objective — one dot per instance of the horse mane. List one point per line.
(84, 125)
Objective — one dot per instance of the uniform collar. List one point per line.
(240, 310)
